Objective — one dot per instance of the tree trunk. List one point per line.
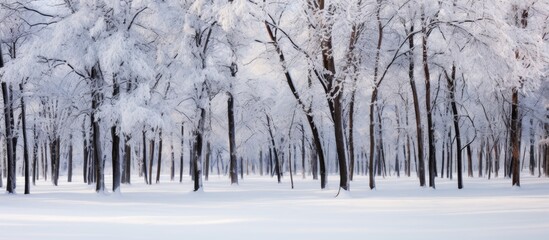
(151, 157)
(515, 135)
(420, 166)
(277, 162)
(451, 80)
(69, 172)
(115, 151)
(430, 129)
(181, 156)
(97, 98)
(85, 151)
(290, 165)
(10, 183)
(25, 147)
(208, 156)
(470, 161)
(532, 164)
(172, 165)
(35, 172)
(127, 160)
(159, 164)
(197, 151)
(144, 164)
(232, 142)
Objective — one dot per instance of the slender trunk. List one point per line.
(232, 142)
(181, 156)
(451, 80)
(480, 155)
(35, 172)
(430, 129)
(290, 165)
(197, 151)
(115, 151)
(159, 164)
(303, 151)
(10, 183)
(151, 157)
(25, 147)
(277, 162)
(144, 164)
(532, 164)
(172, 165)
(127, 160)
(515, 136)
(208, 156)
(85, 150)
(470, 161)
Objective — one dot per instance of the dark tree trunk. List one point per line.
(25, 147)
(277, 162)
(55, 159)
(303, 151)
(532, 164)
(85, 150)
(127, 160)
(144, 164)
(290, 165)
(480, 156)
(159, 164)
(151, 157)
(207, 162)
(430, 129)
(35, 172)
(515, 135)
(197, 151)
(233, 172)
(10, 183)
(420, 163)
(181, 157)
(69, 172)
(97, 98)
(451, 80)
(115, 151)
(470, 161)
(172, 165)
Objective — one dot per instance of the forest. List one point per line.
(131, 90)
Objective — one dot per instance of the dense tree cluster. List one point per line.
(426, 88)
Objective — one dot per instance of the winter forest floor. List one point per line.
(259, 208)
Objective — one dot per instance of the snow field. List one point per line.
(259, 208)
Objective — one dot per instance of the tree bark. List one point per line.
(151, 157)
(25, 147)
(451, 80)
(85, 150)
(181, 156)
(277, 162)
(97, 98)
(430, 129)
(197, 151)
(515, 135)
(172, 165)
(10, 183)
(144, 164)
(419, 129)
(115, 151)
(159, 164)
(232, 142)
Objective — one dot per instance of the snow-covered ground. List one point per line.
(259, 208)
